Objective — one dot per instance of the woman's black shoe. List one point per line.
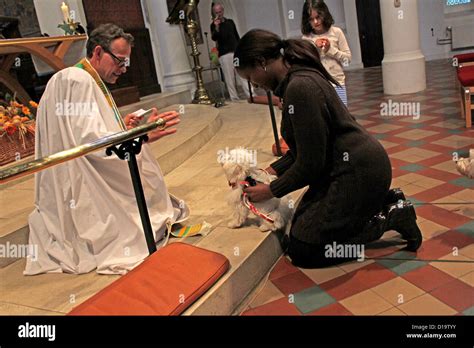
(394, 196)
(373, 230)
(401, 217)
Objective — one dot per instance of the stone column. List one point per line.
(172, 59)
(352, 35)
(403, 66)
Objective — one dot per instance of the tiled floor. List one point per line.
(439, 279)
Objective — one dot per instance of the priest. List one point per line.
(85, 215)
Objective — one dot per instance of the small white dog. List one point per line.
(237, 165)
(465, 166)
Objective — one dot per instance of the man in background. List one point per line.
(224, 32)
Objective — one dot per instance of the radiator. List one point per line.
(463, 36)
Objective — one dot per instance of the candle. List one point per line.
(65, 10)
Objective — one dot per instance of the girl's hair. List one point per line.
(323, 11)
(259, 45)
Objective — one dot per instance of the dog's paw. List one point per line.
(233, 224)
(265, 228)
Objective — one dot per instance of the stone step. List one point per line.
(251, 255)
(198, 125)
(201, 183)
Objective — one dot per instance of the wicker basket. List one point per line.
(12, 147)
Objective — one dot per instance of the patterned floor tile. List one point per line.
(464, 295)
(321, 275)
(460, 265)
(455, 141)
(469, 311)
(384, 128)
(332, 309)
(401, 262)
(268, 294)
(352, 266)
(468, 251)
(416, 134)
(427, 278)
(431, 229)
(437, 192)
(426, 305)
(463, 182)
(467, 229)
(468, 279)
(442, 216)
(412, 168)
(357, 281)
(293, 283)
(393, 312)
(438, 174)
(312, 299)
(414, 155)
(283, 267)
(397, 291)
(366, 303)
(447, 166)
(278, 307)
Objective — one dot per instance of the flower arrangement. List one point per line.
(16, 118)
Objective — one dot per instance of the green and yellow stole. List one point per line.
(86, 65)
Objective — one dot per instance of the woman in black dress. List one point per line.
(347, 170)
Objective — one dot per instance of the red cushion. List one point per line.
(166, 283)
(463, 58)
(466, 76)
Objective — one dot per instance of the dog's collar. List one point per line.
(251, 207)
(248, 180)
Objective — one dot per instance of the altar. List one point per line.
(51, 51)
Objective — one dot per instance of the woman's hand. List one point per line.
(171, 118)
(271, 171)
(258, 193)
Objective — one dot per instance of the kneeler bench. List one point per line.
(166, 283)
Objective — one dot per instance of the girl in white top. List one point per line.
(317, 26)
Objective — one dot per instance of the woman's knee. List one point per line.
(305, 255)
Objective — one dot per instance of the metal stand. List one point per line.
(128, 151)
(219, 102)
(250, 92)
(274, 125)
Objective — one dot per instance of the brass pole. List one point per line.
(201, 96)
(34, 166)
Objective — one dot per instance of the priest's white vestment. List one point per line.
(86, 216)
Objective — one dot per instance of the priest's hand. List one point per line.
(132, 120)
(259, 192)
(171, 118)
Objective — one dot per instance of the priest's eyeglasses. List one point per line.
(122, 62)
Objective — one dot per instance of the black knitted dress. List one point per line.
(347, 170)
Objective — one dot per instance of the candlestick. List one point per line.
(65, 10)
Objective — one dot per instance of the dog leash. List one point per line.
(251, 207)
